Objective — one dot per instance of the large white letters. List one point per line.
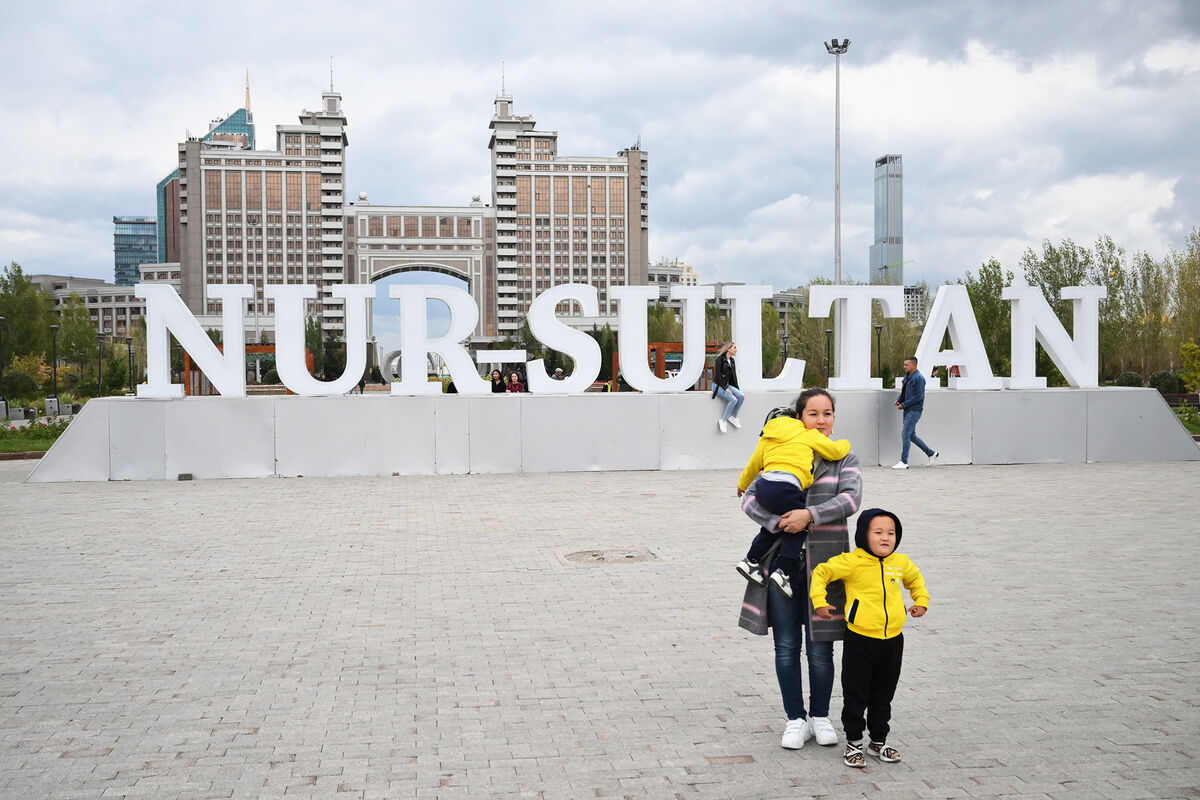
(1033, 322)
(165, 311)
(290, 362)
(546, 328)
(853, 341)
(632, 337)
(952, 313)
(416, 344)
(1032, 318)
(747, 335)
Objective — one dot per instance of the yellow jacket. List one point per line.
(874, 599)
(787, 445)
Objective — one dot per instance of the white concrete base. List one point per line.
(124, 438)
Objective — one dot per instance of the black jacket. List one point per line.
(724, 374)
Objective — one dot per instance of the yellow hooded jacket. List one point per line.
(874, 599)
(788, 446)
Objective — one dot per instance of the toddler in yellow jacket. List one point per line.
(784, 456)
(873, 650)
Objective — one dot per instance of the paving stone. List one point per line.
(425, 637)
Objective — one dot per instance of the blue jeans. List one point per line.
(790, 632)
(908, 434)
(734, 399)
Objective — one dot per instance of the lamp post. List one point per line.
(878, 351)
(837, 49)
(3, 402)
(129, 350)
(828, 352)
(54, 362)
(785, 335)
(100, 365)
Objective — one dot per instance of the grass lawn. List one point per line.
(25, 444)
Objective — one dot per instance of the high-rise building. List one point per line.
(235, 132)
(887, 253)
(265, 216)
(562, 219)
(135, 242)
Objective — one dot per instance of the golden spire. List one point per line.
(247, 90)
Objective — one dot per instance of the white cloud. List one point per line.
(1008, 135)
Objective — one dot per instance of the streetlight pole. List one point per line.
(828, 352)
(129, 350)
(54, 361)
(878, 351)
(3, 402)
(100, 366)
(837, 49)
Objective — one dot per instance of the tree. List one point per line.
(992, 313)
(28, 314)
(76, 337)
(806, 338)
(717, 327)
(606, 337)
(662, 324)
(1185, 289)
(770, 337)
(314, 343)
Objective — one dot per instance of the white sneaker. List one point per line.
(722, 426)
(899, 465)
(735, 422)
(822, 730)
(935, 455)
(795, 734)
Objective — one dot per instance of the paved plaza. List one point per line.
(452, 637)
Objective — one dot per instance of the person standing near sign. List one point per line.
(725, 386)
(912, 402)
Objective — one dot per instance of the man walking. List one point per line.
(912, 403)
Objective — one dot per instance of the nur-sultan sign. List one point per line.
(1033, 320)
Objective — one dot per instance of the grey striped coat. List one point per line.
(834, 497)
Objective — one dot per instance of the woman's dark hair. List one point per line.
(496, 374)
(809, 394)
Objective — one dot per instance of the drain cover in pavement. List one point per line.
(620, 555)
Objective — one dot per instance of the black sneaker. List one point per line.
(780, 579)
(749, 570)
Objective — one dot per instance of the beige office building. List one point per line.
(266, 216)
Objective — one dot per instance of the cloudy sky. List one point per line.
(1017, 121)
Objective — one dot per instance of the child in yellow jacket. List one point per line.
(784, 456)
(872, 652)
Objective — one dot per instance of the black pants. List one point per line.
(870, 671)
(778, 497)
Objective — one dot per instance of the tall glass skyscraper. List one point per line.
(887, 253)
(135, 242)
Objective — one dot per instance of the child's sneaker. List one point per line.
(853, 756)
(884, 752)
(780, 579)
(749, 570)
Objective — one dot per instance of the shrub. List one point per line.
(18, 384)
(1167, 382)
(1129, 379)
(270, 376)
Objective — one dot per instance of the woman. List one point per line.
(497, 382)
(725, 386)
(834, 496)
(514, 383)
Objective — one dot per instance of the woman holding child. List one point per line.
(834, 496)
